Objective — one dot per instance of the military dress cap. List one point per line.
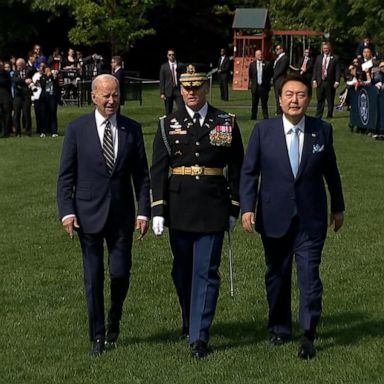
(194, 76)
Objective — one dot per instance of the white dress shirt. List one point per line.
(203, 113)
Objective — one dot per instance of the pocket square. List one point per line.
(317, 148)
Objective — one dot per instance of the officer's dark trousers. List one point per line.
(278, 256)
(119, 243)
(195, 273)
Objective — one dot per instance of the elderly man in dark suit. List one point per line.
(326, 79)
(22, 83)
(290, 156)
(169, 83)
(103, 156)
(260, 74)
(223, 70)
(197, 202)
(280, 69)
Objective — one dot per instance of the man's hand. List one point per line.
(248, 221)
(337, 218)
(162, 96)
(142, 226)
(70, 224)
(314, 84)
(158, 225)
(336, 84)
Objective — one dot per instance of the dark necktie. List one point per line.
(108, 147)
(196, 118)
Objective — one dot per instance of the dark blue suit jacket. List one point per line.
(267, 162)
(86, 189)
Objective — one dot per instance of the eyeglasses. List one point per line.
(171, 54)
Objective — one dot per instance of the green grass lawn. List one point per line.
(43, 332)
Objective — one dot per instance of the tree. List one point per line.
(117, 23)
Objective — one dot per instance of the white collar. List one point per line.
(203, 111)
(100, 119)
(288, 125)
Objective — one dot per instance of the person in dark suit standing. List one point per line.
(103, 156)
(290, 156)
(305, 65)
(5, 101)
(22, 82)
(326, 79)
(197, 202)
(366, 43)
(169, 83)
(223, 69)
(260, 74)
(118, 72)
(280, 69)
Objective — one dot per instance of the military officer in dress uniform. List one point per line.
(197, 156)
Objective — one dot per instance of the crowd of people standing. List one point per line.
(43, 82)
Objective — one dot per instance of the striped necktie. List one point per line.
(108, 152)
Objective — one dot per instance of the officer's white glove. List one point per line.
(158, 225)
(231, 223)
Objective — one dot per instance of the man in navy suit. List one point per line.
(103, 155)
(290, 156)
(326, 79)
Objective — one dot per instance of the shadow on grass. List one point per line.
(349, 328)
(225, 335)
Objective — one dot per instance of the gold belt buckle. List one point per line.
(197, 170)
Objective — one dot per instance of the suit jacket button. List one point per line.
(197, 142)
(197, 154)
(197, 177)
(177, 141)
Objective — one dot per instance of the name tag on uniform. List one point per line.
(178, 132)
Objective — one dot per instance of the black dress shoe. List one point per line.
(279, 339)
(306, 350)
(113, 331)
(199, 349)
(97, 348)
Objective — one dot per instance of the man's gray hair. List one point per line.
(102, 77)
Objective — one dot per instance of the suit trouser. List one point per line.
(325, 91)
(41, 115)
(278, 256)
(22, 103)
(195, 273)
(168, 102)
(261, 94)
(5, 116)
(223, 80)
(119, 244)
